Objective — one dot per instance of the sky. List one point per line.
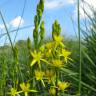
(22, 12)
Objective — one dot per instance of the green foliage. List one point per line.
(89, 56)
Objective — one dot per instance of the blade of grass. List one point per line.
(89, 59)
(6, 30)
(79, 35)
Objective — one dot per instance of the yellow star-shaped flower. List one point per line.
(57, 63)
(58, 40)
(39, 76)
(14, 92)
(65, 54)
(63, 85)
(26, 88)
(37, 57)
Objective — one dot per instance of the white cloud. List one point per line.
(71, 1)
(51, 4)
(86, 6)
(13, 23)
(17, 21)
(2, 26)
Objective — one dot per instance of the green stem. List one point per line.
(56, 81)
(26, 94)
(80, 70)
(7, 31)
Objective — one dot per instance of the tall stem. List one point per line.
(7, 31)
(56, 81)
(80, 71)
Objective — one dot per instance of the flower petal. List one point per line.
(33, 62)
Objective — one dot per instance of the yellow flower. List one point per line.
(13, 92)
(57, 63)
(63, 85)
(52, 91)
(39, 75)
(25, 87)
(48, 53)
(49, 74)
(49, 48)
(65, 54)
(36, 57)
(58, 40)
(49, 45)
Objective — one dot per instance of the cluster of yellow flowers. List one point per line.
(61, 86)
(25, 88)
(48, 59)
(51, 57)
